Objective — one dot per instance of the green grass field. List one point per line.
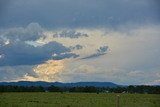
(77, 100)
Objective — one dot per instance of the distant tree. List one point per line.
(55, 89)
(89, 89)
(131, 89)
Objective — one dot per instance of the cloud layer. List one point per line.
(129, 56)
(78, 13)
(80, 40)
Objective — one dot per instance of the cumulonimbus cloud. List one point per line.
(129, 56)
(16, 48)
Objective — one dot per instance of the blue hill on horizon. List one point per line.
(60, 84)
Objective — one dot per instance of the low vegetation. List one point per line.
(53, 99)
(89, 96)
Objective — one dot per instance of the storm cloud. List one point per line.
(69, 34)
(78, 13)
(18, 47)
(46, 40)
(24, 54)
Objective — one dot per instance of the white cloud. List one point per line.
(133, 56)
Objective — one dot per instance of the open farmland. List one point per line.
(77, 100)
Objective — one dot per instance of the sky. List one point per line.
(80, 40)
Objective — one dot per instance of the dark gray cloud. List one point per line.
(30, 33)
(2, 41)
(77, 47)
(20, 53)
(101, 51)
(77, 13)
(17, 47)
(69, 34)
(9, 73)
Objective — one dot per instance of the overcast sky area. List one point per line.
(80, 40)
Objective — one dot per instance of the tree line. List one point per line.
(89, 89)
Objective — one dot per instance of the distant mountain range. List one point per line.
(59, 84)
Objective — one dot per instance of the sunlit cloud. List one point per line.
(50, 67)
(46, 71)
(132, 54)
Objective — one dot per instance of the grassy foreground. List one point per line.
(77, 100)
